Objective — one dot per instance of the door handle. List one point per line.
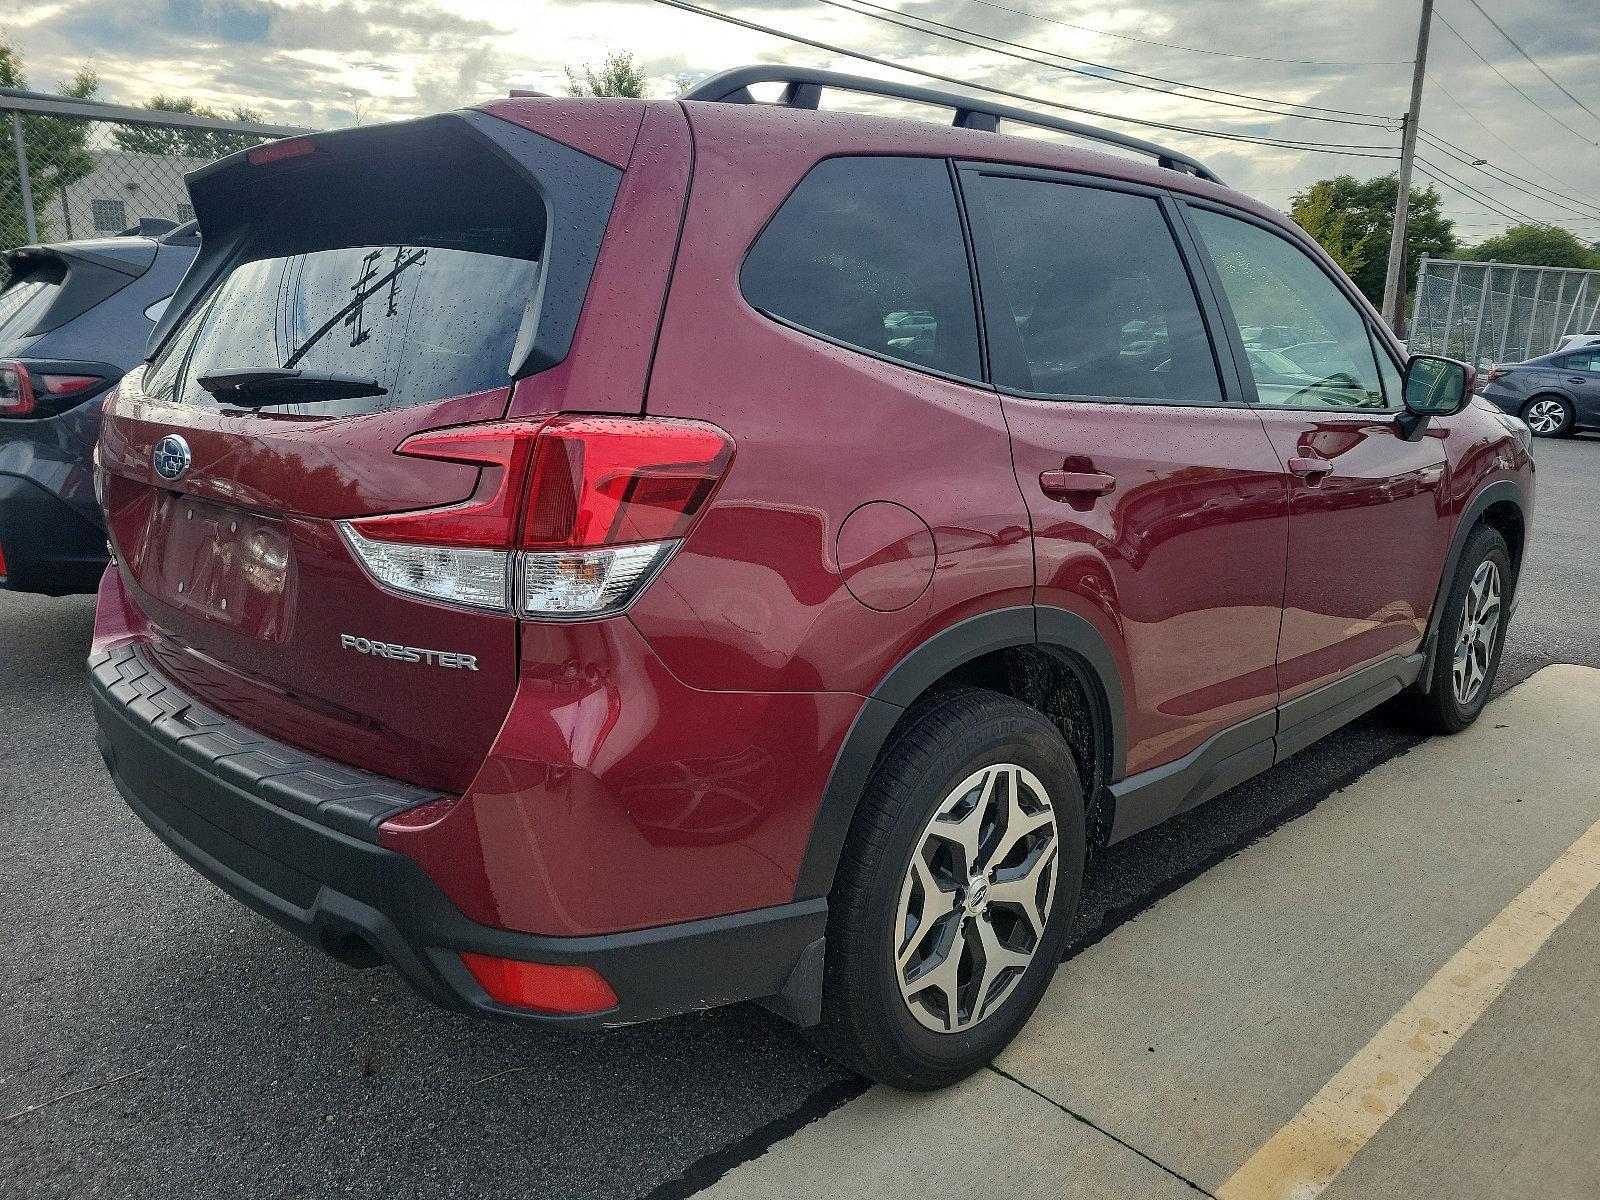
(1579, 379)
(1076, 483)
(1310, 466)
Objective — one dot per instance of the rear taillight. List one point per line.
(571, 518)
(16, 390)
(25, 393)
(1496, 373)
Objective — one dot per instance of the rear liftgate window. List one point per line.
(410, 272)
(868, 252)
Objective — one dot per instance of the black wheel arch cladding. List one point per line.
(1027, 643)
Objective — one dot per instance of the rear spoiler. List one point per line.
(234, 196)
(91, 271)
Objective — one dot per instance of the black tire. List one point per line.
(1440, 710)
(867, 1024)
(1569, 418)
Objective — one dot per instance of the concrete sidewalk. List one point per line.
(1166, 1057)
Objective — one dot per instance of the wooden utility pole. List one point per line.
(1394, 282)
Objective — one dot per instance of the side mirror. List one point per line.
(1437, 387)
(1434, 387)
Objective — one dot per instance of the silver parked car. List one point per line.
(1578, 341)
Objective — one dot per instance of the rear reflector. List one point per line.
(423, 815)
(2, 562)
(571, 517)
(541, 986)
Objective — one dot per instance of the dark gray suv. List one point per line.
(73, 317)
(1556, 394)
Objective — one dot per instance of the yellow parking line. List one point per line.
(1307, 1154)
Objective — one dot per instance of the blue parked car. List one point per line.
(73, 317)
(1557, 394)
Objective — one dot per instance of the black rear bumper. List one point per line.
(49, 547)
(295, 838)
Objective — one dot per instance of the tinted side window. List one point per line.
(1589, 362)
(868, 252)
(1306, 342)
(1102, 303)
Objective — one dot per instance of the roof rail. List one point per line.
(803, 89)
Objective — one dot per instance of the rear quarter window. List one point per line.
(25, 300)
(868, 252)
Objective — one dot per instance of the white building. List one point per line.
(122, 188)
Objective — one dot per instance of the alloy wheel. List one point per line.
(976, 897)
(1546, 417)
(1480, 622)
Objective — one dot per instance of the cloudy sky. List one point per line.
(323, 63)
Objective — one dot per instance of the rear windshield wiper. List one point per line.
(259, 387)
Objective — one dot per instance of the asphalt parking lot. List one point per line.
(160, 1039)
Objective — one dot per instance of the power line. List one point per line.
(1471, 116)
(1580, 136)
(1128, 37)
(1349, 150)
(902, 20)
(1484, 208)
(1439, 174)
(1554, 82)
(1516, 182)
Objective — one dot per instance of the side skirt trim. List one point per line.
(1230, 757)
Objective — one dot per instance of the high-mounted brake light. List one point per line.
(295, 147)
(572, 517)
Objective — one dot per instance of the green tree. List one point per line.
(187, 143)
(618, 76)
(1352, 220)
(58, 151)
(1319, 214)
(1537, 246)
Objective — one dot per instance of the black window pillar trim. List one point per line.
(579, 193)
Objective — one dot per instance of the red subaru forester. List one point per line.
(606, 558)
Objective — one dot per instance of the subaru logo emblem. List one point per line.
(171, 457)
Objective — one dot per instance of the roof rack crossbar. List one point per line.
(803, 89)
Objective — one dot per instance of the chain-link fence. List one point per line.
(1490, 313)
(81, 169)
